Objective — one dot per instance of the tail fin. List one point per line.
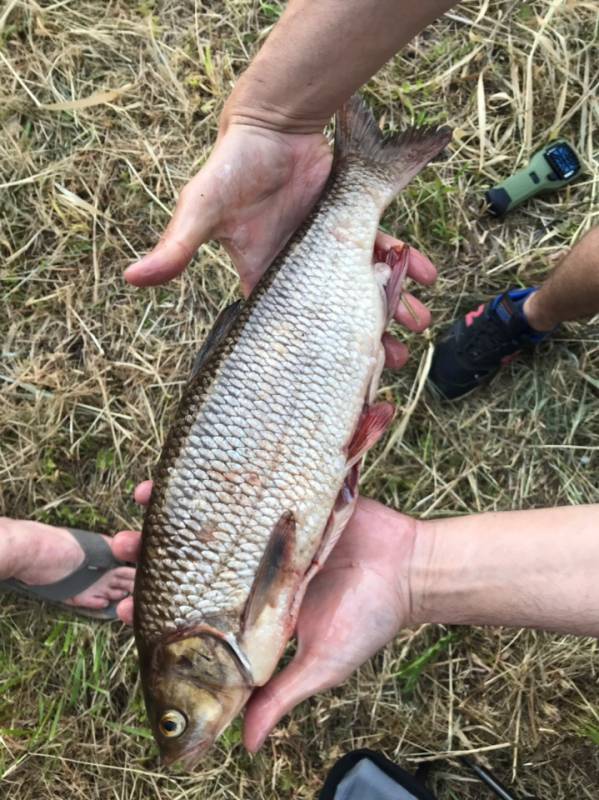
(358, 137)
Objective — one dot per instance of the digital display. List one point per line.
(563, 160)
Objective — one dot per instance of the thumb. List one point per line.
(192, 224)
(302, 678)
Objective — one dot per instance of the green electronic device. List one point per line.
(550, 168)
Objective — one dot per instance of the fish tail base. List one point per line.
(400, 157)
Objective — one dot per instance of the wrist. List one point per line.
(449, 577)
(457, 576)
(250, 103)
(420, 574)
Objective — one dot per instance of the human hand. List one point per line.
(141, 494)
(355, 605)
(251, 195)
(253, 192)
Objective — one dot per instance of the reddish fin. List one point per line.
(373, 423)
(398, 259)
(273, 566)
(341, 514)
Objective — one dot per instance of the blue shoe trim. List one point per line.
(521, 294)
(518, 297)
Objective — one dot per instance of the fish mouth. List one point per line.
(188, 757)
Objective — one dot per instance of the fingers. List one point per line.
(396, 353)
(124, 611)
(412, 314)
(192, 225)
(142, 492)
(301, 679)
(420, 268)
(126, 545)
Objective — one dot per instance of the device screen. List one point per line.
(563, 160)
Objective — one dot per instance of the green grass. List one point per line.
(409, 674)
(90, 370)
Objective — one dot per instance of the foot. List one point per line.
(38, 554)
(473, 349)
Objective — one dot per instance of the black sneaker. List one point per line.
(473, 349)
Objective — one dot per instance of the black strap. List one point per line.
(396, 773)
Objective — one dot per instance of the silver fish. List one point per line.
(259, 472)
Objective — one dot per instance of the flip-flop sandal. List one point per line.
(97, 561)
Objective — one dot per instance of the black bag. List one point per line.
(368, 775)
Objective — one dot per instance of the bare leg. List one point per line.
(38, 554)
(571, 291)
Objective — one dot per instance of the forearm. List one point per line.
(572, 290)
(535, 569)
(319, 53)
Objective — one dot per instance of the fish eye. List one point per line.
(172, 723)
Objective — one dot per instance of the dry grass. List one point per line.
(91, 368)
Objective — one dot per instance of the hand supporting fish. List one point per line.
(259, 473)
(251, 195)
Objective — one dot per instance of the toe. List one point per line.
(116, 593)
(122, 574)
(122, 586)
(89, 601)
(122, 583)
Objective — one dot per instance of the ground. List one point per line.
(91, 369)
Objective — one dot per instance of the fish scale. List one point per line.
(198, 449)
(247, 496)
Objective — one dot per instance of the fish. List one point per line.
(259, 472)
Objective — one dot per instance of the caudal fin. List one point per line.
(401, 157)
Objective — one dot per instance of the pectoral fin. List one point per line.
(220, 329)
(272, 571)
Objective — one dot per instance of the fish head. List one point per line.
(194, 686)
